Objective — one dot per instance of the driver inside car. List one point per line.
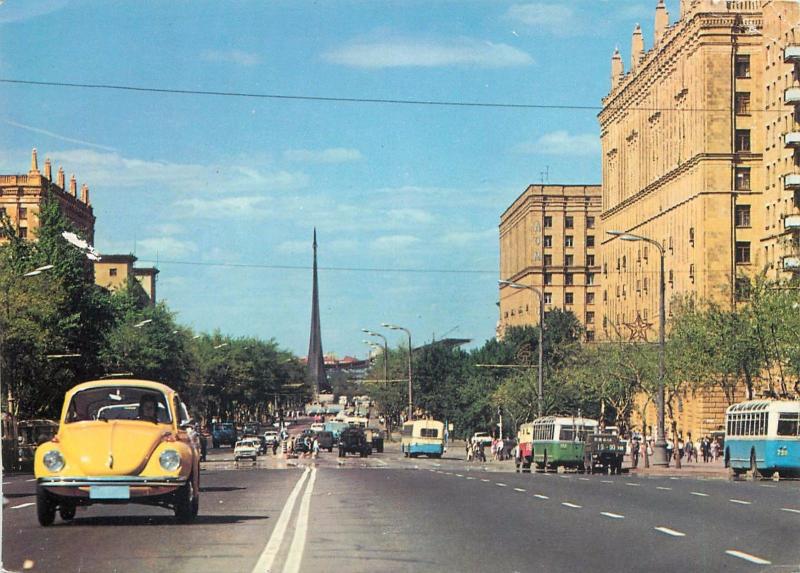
(148, 409)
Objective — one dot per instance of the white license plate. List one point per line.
(110, 492)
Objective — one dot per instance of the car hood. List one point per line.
(116, 447)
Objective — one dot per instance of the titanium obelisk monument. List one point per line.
(316, 360)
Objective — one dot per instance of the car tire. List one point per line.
(45, 507)
(185, 502)
(67, 511)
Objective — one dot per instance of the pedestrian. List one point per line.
(706, 447)
(689, 448)
(481, 452)
(315, 449)
(516, 452)
(715, 449)
(468, 448)
(670, 447)
(635, 453)
(275, 447)
(500, 452)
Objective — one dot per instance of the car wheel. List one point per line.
(67, 511)
(184, 502)
(45, 507)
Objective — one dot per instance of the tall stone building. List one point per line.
(683, 146)
(548, 240)
(21, 197)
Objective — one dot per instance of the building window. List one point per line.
(646, 284)
(590, 240)
(569, 260)
(23, 232)
(644, 253)
(568, 280)
(742, 140)
(112, 272)
(671, 278)
(605, 321)
(589, 260)
(691, 272)
(548, 260)
(548, 221)
(548, 241)
(589, 298)
(742, 252)
(638, 285)
(624, 262)
(617, 291)
(742, 180)
(590, 222)
(742, 66)
(568, 241)
(590, 336)
(23, 213)
(742, 103)
(605, 296)
(589, 278)
(548, 278)
(691, 236)
(548, 298)
(742, 216)
(742, 291)
(569, 222)
(590, 317)
(568, 298)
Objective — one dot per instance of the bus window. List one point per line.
(567, 433)
(788, 425)
(428, 433)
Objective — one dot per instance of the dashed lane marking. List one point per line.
(459, 475)
(563, 476)
(500, 484)
(572, 505)
(584, 479)
(662, 488)
(469, 477)
(486, 480)
(669, 531)
(698, 493)
(740, 501)
(612, 515)
(606, 481)
(674, 478)
(766, 485)
(748, 557)
(632, 483)
(520, 489)
(30, 480)
(448, 473)
(790, 510)
(540, 496)
(20, 506)
(438, 465)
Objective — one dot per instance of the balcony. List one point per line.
(791, 181)
(791, 264)
(792, 96)
(791, 139)
(791, 222)
(791, 54)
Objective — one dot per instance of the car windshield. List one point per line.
(119, 403)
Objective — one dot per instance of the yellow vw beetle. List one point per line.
(119, 441)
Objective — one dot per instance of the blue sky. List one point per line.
(192, 181)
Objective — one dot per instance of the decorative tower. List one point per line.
(316, 360)
(662, 21)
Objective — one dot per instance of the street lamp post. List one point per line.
(660, 448)
(410, 349)
(540, 373)
(385, 353)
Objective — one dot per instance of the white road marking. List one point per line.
(438, 465)
(699, 493)
(606, 481)
(662, 488)
(572, 505)
(486, 480)
(459, 475)
(748, 557)
(520, 489)
(448, 473)
(790, 510)
(30, 480)
(301, 529)
(468, 477)
(540, 496)
(740, 501)
(674, 478)
(584, 479)
(500, 484)
(20, 506)
(669, 531)
(612, 515)
(433, 471)
(563, 476)
(632, 483)
(766, 485)
(383, 463)
(276, 539)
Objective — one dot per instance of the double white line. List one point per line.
(295, 556)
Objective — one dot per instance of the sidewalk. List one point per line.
(688, 469)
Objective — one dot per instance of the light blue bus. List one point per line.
(763, 437)
(422, 437)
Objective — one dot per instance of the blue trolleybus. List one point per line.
(763, 436)
(423, 437)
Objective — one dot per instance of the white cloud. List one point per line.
(394, 243)
(563, 19)
(238, 57)
(561, 143)
(54, 135)
(25, 10)
(247, 207)
(406, 216)
(330, 155)
(166, 229)
(544, 16)
(168, 247)
(465, 238)
(408, 52)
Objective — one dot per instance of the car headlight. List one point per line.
(169, 460)
(53, 461)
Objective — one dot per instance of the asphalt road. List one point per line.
(387, 513)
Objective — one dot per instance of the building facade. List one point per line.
(548, 240)
(21, 197)
(113, 271)
(683, 161)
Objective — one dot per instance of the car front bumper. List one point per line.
(111, 487)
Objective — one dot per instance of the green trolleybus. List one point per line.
(559, 441)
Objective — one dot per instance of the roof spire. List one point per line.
(662, 21)
(617, 68)
(637, 47)
(316, 358)
(34, 163)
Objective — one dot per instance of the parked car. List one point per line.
(326, 440)
(224, 433)
(377, 440)
(119, 441)
(271, 436)
(246, 448)
(31, 433)
(482, 438)
(353, 440)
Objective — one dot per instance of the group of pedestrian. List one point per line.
(498, 449)
(690, 451)
(475, 451)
